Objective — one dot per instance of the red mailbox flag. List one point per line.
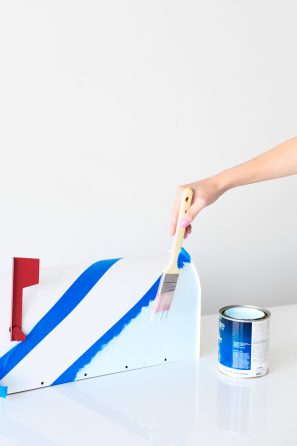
(25, 273)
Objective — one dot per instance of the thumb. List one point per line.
(192, 213)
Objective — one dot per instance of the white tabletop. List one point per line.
(176, 404)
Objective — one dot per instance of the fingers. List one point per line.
(188, 231)
(197, 205)
(186, 223)
(191, 214)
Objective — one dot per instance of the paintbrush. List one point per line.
(170, 274)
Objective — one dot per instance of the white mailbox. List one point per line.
(88, 320)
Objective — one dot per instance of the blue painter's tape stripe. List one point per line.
(70, 374)
(3, 392)
(64, 306)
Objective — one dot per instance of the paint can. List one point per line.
(243, 341)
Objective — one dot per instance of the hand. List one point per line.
(205, 192)
(278, 162)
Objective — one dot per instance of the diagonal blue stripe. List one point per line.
(64, 306)
(70, 374)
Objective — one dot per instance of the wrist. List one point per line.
(223, 181)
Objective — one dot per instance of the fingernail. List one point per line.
(184, 223)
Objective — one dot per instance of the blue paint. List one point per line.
(184, 257)
(3, 392)
(63, 307)
(235, 343)
(70, 374)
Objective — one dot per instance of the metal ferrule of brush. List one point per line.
(169, 283)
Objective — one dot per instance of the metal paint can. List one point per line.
(243, 341)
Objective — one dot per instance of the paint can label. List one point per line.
(243, 347)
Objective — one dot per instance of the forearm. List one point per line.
(278, 162)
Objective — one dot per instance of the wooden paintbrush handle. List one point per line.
(185, 203)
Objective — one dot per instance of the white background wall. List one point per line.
(106, 106)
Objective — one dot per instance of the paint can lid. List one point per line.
(244, 313)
